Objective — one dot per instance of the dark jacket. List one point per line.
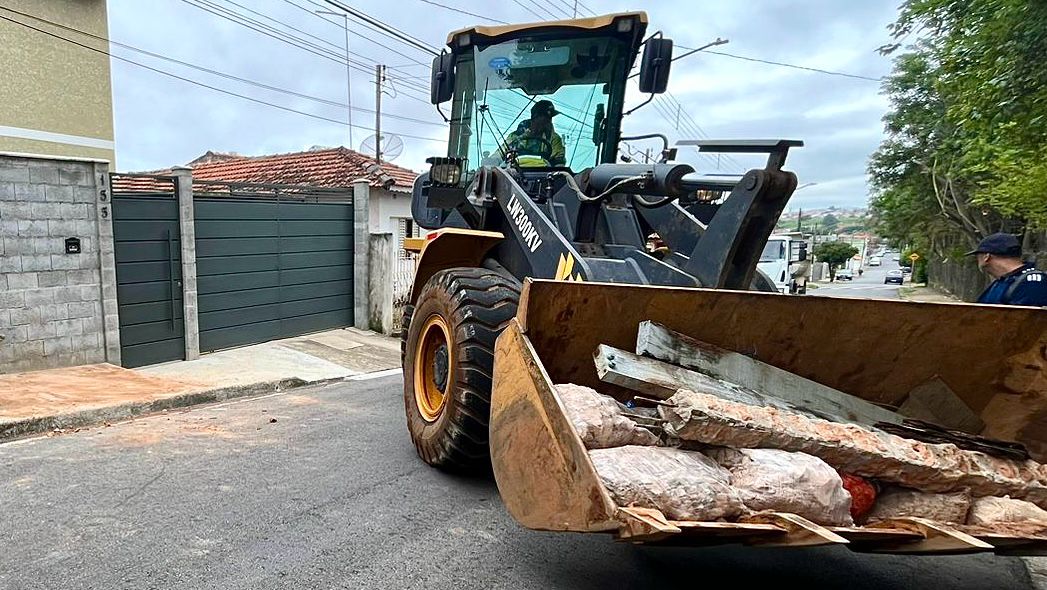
(1024, 286)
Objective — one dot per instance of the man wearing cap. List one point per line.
(536, 136)
(1017, 283)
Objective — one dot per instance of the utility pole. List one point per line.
(575, 8)
(348, 72)
(379, 78)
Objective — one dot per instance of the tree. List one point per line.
(835, 254)
(964, 154)
(830, 222)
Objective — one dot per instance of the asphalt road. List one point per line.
(331, 495)
(869, 286)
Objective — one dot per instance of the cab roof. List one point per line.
(494, 34)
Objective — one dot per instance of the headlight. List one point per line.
(445, 171)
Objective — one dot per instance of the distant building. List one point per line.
(56, 97)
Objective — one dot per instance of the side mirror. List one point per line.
(441, 86)
(654, 69)
(598, 129)
(803, 252)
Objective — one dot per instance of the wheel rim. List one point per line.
(432, 367)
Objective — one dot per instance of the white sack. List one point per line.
(770, 479)
(598, 419)
(684, 485)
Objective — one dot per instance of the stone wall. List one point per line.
(56, 308)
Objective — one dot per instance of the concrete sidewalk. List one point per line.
(61, 399)
(921, 292)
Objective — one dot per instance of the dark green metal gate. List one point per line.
(272, 261)
(148, 269)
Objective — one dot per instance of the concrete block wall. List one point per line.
(53, 308)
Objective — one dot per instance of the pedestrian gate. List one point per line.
(148, 252)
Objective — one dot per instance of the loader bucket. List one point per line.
(991, 357)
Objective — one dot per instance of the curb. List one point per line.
(40, 424)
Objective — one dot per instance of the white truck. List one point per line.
(784, 260)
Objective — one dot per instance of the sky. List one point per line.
(162, 121)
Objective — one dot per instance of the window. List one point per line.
(773, 251)
(497, 86)
(404, 229)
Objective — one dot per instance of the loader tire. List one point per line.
(448, 364)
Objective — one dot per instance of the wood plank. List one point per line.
(644, 524)
(659, 342)
(871, 535)
(799, 532)
(937, 538)
(1012, 538)
(727, 529)
(661, 380)
(934, 401)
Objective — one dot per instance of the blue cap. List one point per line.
(1000, 244)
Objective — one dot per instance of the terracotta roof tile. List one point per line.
(334, 167)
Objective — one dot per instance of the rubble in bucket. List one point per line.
(707, 448)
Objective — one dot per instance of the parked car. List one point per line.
(844, 274)
(906, 270)
(894, 276)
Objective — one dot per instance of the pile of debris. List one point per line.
(697, 446)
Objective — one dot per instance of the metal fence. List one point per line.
(403, 278)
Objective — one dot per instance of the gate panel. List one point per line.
(148, 269)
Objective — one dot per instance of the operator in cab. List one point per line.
(535, 140)
(1016, 282)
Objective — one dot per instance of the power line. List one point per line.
(527, 8)
(247, 22)
(586, 8)
(370, 62)
(195, 82)
(788, 65)
(286, 38)
(549, 9)
(465, 12)
(352, 32)
(389, 30)
(307, 34)
(220, 73)
(569, 8)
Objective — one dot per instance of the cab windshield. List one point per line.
(536, 100)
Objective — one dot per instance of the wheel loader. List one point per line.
(539, 250)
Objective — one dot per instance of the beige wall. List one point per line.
(53, 87)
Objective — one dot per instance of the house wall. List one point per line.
(56, 96)
(56, 309)
(386, 208)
